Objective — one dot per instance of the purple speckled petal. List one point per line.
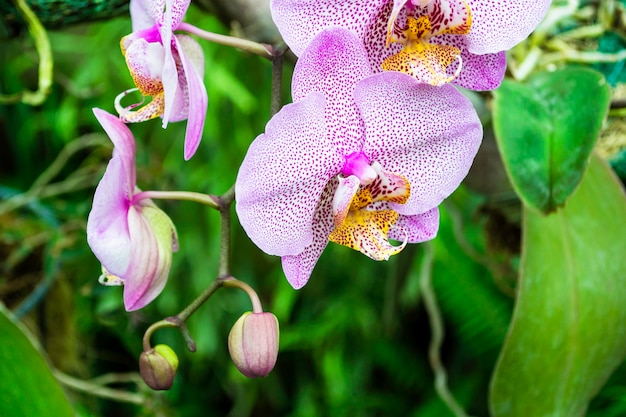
(153, 237)
(300, 21)
(146, 13)
(170, 71)
(478, 72)
(298, 268)
(332, 65)
(375, 38)
(481, 72)
(178, 8)
(124, 146)
(107, 230)
(500, 25)
(145, 64)
(346, 190)
(197, 94)
(143, 260)
(283, 175)
(428, 134)
(416, 228)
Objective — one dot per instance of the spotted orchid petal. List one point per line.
(298, 268)
(283, 175)
(398, 6)
(416, 228)
(146, 13)
(458, 32)
(153, 237)
(481, 72)
(193, 67)
(344, 194)
(130, 236)
(432, 143)
(332, 66)
(500, 25)
(299, 21)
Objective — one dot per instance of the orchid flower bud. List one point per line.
(158, 367)
(253, 343)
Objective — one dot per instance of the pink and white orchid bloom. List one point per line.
(358, 158)
(165, 66)
(130, 235)
(435, 41)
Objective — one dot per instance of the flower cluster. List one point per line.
(376, 138)
(128, 233)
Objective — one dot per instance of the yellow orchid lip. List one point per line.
(364, 223)
(154, 108)
(428, 62)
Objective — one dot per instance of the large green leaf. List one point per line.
(568, 331)
(27, 386)
(546, 129)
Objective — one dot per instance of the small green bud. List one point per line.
(253, 343)
(158, 367)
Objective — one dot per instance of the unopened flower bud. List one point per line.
(253, 343)
(158, 367)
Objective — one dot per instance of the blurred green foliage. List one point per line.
(354, 341)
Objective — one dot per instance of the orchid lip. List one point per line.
(147, 111)
(118, 105)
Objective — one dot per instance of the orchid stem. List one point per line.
(223, 204)
(206, 199)
(46, 61)
(436, 327)
(232, 282)
(161, 324)
(278, 53)
(97, 389)
(243, 44)
(225, 201)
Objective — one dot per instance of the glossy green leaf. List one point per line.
(568, 332)
(546, 129)
(27, 385)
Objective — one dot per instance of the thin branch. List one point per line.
(226, 201)
(46, 61)
(98, 390)
(254, 297)
(436, 326)
(206, 199)
(278, 53)
(243, 44)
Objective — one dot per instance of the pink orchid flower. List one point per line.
(358, 158)
(130, 235)
(167, 67)
(435, 41)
